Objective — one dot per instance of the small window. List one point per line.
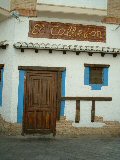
(96, 75)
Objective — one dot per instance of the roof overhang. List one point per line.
(65, 48)
(41, 7)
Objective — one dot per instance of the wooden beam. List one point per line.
(77, 52)
(87, 98)
(22, 49)
(93, 112)
(102, 54)
(90, 53)
(96, 65)
(36, 50)
(39, 68)
(50, 50)
(77, 117)
(64, 51)
(3, 46)
(115, 55)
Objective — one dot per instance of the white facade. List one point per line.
(16, 31)
(77, 3)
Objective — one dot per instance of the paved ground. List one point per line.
(48, 148)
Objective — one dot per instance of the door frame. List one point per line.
(58, 71)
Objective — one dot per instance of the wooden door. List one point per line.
(40, 102)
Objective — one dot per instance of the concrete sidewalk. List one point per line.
(59, 148)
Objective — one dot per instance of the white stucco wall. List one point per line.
(98, 4)
(7, 33)
(74, 71)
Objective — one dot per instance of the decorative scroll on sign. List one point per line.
(67, 31)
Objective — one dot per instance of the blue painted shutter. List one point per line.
(87, 76)
(63, 93)
(105, 77)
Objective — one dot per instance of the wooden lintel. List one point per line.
(96, 65)
(87, 98)
(39, 68)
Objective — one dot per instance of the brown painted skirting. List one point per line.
(1, 66)
(39, 68)
(96, 65)
(87, 98)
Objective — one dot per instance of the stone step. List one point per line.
(63, 118)
(7, 128)
(66, 123)
(112, 126)
(112, 122)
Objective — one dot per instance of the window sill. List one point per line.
(96, 86)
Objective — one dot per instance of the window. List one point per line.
(96, 75)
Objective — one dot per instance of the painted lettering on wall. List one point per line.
(67, 31)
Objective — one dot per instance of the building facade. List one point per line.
(60, 59)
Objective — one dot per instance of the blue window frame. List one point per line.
(1, 85)
(63, 93)
(20, 96)
(103, 79)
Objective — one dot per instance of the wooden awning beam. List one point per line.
(87, 98)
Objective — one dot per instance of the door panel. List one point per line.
(40, 102)
(30, 120)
